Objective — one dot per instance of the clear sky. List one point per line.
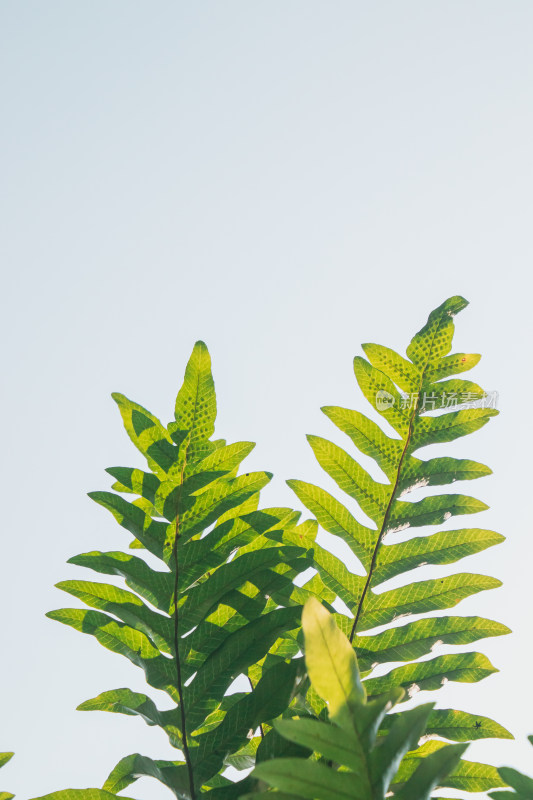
(284, 180)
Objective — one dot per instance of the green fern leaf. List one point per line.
(412, 395)
(222, 605)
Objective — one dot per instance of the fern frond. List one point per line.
(412, 396)
(222, 603)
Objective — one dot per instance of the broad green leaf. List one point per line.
(403, 734)
(519, 782)
(431, 772)
(331, 661)
(232, 791)
(273, 745)
(335, 744)
(307, 779)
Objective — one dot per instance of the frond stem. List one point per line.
(383, 528)
(183, 715)
(392, 498)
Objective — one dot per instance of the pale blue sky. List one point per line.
(284, 180)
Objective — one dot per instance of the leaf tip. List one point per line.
(453, 305)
